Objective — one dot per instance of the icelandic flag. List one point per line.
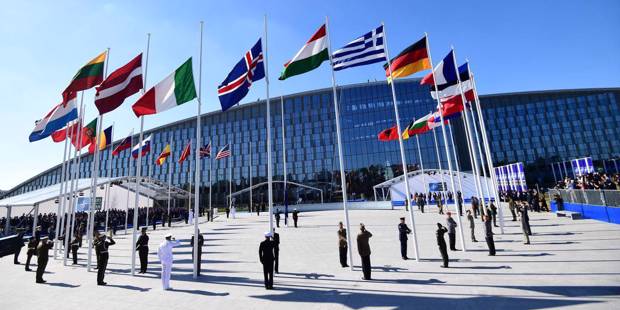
(145, 148)
(56, 119)
(237, 84)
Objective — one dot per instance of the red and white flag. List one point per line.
(122, 83)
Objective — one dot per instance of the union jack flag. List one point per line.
(223, 153)
(205, 151)
(237, 84)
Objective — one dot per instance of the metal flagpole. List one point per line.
(210, 178)
(66, 180)
(74, 174)
(438, 160)
(229, 163)
(128, 179)
(473, 169)
(189, 199)
(445, 139)
(139, 168)
(402, 149)
(197, 156)
(169, 177)
(343, 178)
(268, 127)
(250, 149)
(458, 166)
(109, 172)
(284, 161)
(148, 180)
(70, 170)
(61, 201)
(417, 140)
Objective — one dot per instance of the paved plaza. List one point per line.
(570, 264)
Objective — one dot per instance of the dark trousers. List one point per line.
(343, 256)
(366, 266)
(102, 264)
(143, 252)
(422, 208)
(16, 256)
(199, 260)
(444, 255)
(276, 251)
(514, 215)
(403, 248)
(268, 273)
(28, 258)
(460, 208)
(452, 237)
(74, 251)
(278, 222)
(295, 222)
(491, 245)
(41, 264)
(494, 217)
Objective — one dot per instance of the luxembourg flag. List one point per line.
(56, 119)
(145, 148)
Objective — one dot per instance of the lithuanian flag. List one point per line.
(164, 154)
(411, 60)
(88, 76)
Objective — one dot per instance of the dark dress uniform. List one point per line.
(295, 217)
(342, 246)
(42, 258)
(32, 249)
(75, 245)
(201, 242)
(20, 239)
(488, 229)
(451, 233)
(276, 250)
(277, 218)
(267, 257)
(102, 263)
(363, 248)
(403, 231)
(441, 242)
(142, 246)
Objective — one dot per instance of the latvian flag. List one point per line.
(144, 148)
(224, 152)
(186, 152)
(122, 83)
(125, 144)
(205, 151)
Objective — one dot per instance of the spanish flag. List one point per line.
(413, 59)
(164, 154)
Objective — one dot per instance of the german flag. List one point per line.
(413, 59)
(164, 154)
(88, 76)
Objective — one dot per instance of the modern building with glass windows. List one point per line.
(535, 128)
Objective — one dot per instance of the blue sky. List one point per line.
(512, 45)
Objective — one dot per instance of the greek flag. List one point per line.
(364, 50)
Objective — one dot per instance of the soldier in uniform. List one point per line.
(295, 217)
(102, 245)
(451, 231)
(165, 256)
(42, 258)
(275, 237)
(20, 239)
(75, 245)
(363, 248)
(403, 231)
(488, 229)
(32, 249)
(266, 254)
(201, 242)
(441, 242)
(470, 219)
(342, 245)
(142, 246)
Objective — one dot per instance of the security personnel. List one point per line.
(441, 242)
(102, 245)
(32, 249)
(42, 258)
(267, 257)
(201, 242)
(403, 231)
(488, 229)
(275, 237)
(295, 217)
(20, 245)
(342, 245)
(363, 248)
(75, 245)
(142, 246)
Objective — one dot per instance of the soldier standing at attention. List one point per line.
(488, 228)
(142, 246)
(75, 245)
(277, 215)
(102, 263)
(267, 257)
(165, 256)
(275, 237)
(451, 231)
(363, 248)
(403, 231)
(201, 242)
(20, 240)
(470, 219)
(42, 258)
(32, 249)
(441, 242)
(295, 217)
(342, 245)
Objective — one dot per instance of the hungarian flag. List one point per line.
(411, 60)
(176, 89)
(186, 152)
(416, 127)
(125, 144)
(389, 134)
(309, 57)
(87, 77)
(143, 148)
(164, 154)
(105, 139)
(122, 83)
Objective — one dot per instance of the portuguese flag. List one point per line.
(88, 134)
(309, 57)
(88, 76)
(176, 89)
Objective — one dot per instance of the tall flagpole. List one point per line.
(229, 164)
(61, 201)
(417, 140)
(438, 160)
(268, 127)
(130, 173)
(483, 173)
(198, 171)
(109, 173)
(445, 139)
(139, 167)
(343, 178)
(169, 176)
(284, 161)
(458, 166)
(149, 180)
(74, 174)
(70, 170)
(250, 151)
(402, 150)
(210, 178)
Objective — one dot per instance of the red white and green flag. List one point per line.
(419, 126)
(176, 89)
(309, 57)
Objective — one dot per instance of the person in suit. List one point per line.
(488, 229)
(201, 242)
(267, 258)
(142, 246)
(32, 249)
(451, 231)
(363, 248)
(102, 244)
(295, 217)
(441, 243)
(403, 231)
(470, 219)
(42, 258)
(342, 245)
(275, 237)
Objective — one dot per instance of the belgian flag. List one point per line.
(411, 60)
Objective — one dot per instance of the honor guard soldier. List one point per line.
(142, 246)
(102, 245)
(403, 231)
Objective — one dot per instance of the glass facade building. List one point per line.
(530, 127)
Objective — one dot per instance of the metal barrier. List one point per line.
(608, 198)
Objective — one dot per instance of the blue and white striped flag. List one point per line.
(364, 50)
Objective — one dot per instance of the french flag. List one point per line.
(145, 148)
(56, 119)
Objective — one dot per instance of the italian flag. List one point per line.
(176, 89)
(309, 57)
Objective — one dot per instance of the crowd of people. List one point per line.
(594, 180)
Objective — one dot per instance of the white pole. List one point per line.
(456, 161)
(198, 171)
(471, 161)
(109, 172)
(284, 158)
(68, 194)
(139, 168)
(268, 127)
(438, 160)
(148, 180)
(343, 178)
(128, 178)
(402, 150)
(169, 178)
(211, 177)
(250, 149)
(229, 162)
(445, 139)
(61, 202)
(70, 225)
(417, 140)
